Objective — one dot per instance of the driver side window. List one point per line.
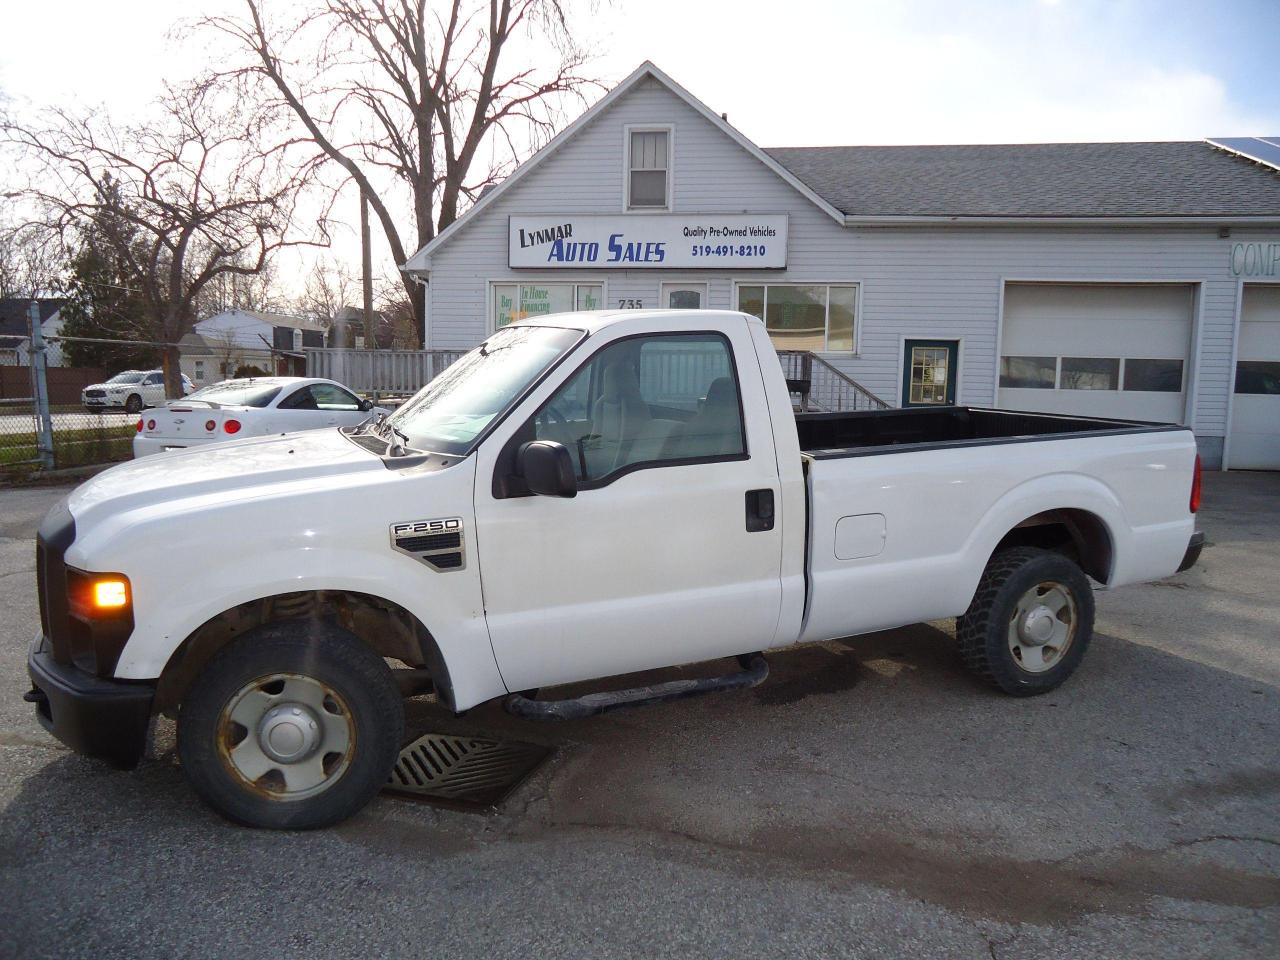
(651, 401)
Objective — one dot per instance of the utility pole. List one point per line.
(367, 263)
(40, 388)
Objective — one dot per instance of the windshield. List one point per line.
(129, 376)
(238, 393)
(449, 413)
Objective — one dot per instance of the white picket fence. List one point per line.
(379, 372)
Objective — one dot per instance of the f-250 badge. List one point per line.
(437, 543)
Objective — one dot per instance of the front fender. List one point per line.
(215, 553)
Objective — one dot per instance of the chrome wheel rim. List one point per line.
(286, 736)
(1043, 626)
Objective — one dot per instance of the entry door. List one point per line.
(684, 296)
(929, 373)
(1255, 408)
(662, 557)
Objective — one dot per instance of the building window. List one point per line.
(515, 301)
(815, 317)
(1029, 373)
(1153, 376)
(1090, 373)
(200, 370)
(648, 170)
(1258, 377)
(1132, 374)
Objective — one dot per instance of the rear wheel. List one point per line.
(133, 404)
(1030, 621)
(295, 725)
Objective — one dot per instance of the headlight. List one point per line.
(101, 619)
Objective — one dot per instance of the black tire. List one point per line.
(983, 632)
(133, 404)
(320, 652)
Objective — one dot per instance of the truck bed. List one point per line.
(863, 433)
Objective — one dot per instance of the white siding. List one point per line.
(942, 282)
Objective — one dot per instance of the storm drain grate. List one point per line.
(473, 772)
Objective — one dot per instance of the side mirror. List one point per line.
(366, 405)
(547, 468)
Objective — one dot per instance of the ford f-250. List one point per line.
(582, 496)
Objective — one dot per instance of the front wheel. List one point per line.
(133, 404)
(1030, 621)
(295, 725)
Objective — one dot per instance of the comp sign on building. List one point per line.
(716, 241)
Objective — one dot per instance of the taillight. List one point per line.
(209, 424)
(139, 425)
(151, 424)
(1195, 486)
(231, 426)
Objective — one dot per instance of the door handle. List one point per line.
(759, 510)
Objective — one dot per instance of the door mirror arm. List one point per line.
(547, 469)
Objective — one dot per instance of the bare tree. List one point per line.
(189, 198)
(329, 287)
(30, 262)
(233, 291)
(434, 104)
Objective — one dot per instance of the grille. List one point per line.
(471, 772)
(95, 393)
(437, 541)
(445, 561)
(56, 534)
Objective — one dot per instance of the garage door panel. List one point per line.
(1153, 407)
(1125, 322)
(1255, 403)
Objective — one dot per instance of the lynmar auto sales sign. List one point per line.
(642, 241)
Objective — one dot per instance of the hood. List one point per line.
(111, 386)
(238, 467)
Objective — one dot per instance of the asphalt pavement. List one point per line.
(869, 800)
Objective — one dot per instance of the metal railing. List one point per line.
(820, 386)
(379, 372)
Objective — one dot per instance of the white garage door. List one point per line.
(1102, 350)
(1255, 408)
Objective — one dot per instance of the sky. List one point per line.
(803, 72)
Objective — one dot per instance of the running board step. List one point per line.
(589, 705)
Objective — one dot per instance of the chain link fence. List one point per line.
(44, 420)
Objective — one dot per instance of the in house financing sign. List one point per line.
(641, 241)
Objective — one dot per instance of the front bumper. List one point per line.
(100, 718)
(1194, 547)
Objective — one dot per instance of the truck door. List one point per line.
(669, 553)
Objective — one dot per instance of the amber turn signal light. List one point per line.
(110, 594)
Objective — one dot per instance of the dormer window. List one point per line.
(649, 169)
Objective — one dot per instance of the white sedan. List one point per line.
(254, 407)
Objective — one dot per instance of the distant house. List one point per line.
(15, 329)
(271, 342)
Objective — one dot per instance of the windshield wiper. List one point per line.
(400, 449)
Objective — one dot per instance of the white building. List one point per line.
(1134, 280)
(227, 341)
(15, 342)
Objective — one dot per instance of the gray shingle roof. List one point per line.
(1182, 179)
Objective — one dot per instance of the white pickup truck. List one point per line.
(582, 496)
